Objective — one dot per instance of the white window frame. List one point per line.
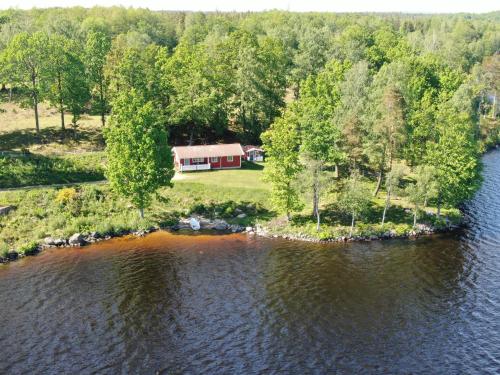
(214, 159)
(229, 158)
(198, 160)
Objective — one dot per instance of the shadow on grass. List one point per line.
(252, 166)
(27, 137)
(28, 170)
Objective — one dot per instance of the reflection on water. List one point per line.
(235, 304)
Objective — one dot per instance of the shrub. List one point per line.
(29, 248)
(4, 249)
(66, 195)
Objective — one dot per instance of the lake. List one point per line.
(237, 304)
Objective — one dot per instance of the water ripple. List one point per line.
(236, 305)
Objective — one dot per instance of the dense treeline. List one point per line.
(214, 74)
(351, 93)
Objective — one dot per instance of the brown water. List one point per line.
(239, 305)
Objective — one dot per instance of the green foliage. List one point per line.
(30, 248)
(454, 155)
(196, 97)
(139, 158)
(423, 190)
(97, 47)
(355, 198)
(24, 62)
(4, 250)
(68, 89)
(319, 97)
(281, 143)
(256, 78)
(365, 92)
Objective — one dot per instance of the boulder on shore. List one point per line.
(220, 225)
(76, 239)
(12, 255)
(4, 210)
(50, 241)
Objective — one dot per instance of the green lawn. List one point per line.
(248, 177)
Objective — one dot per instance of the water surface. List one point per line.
(236, 304)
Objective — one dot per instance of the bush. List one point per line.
(4, 249)
(30, 248)
(66, 195)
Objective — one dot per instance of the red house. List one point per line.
(197, 158)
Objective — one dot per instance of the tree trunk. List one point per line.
(379, 183)
(37, 121)
(316, 194)
(35, 103)
(494, 112)
(63, 127)
(387, 203)
(439, 206)
(318, 220)
(415, 217)
(352, 225)
(10, 94)
(103, 106)
(141, 212)
(61, 102)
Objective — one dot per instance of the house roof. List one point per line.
(251, 148)
(203, 151)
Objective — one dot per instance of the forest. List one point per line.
(401, 103)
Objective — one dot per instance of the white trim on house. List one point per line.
(230, 158)
(214, 159)
(195, 167)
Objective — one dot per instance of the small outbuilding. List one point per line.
(253, 153)
(205, 157)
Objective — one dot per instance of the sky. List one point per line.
(406, 6)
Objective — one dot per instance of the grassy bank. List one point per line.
(18, 170)
(43, 212)
(215, 194)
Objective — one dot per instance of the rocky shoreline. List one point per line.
(220, 227)
(420, 230)
(83, 239)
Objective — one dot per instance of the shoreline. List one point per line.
(219, 228)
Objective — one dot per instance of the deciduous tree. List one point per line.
(355, 198)
(422, 190)
(281, 143)
(139, 158)
(97, 47)
(67, 88)
(24, 62)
